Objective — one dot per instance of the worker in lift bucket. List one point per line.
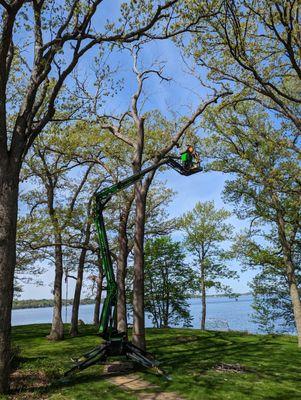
(190, 159)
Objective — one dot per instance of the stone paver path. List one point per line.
(135, 383)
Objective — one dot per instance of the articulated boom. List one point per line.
(117, 343)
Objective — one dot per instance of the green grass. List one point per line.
(272, 365)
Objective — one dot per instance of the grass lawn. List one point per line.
(271, 366)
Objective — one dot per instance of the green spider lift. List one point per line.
(116, 343)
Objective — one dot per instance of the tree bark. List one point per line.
(289, 264)
(9, 182)
(138, 282)
(141, 191)
(79, 283)
(204, 305)
(122, 267)
(98, 294)
(293, 286)
(295, 297)
(57, 327)
(76, 298)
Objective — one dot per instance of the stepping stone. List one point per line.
(135, 383)
(159, 396)
(119, 367)
(131, 382)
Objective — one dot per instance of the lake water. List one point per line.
(222, 314)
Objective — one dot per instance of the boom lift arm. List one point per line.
(116, 343)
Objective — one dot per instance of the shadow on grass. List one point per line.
(203, 353)
(189, 355)
(56, 385)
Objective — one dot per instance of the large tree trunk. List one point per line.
(295, 297)
(121, 268)
(8, 220)
(203, 291)
(98, 293)
(293, 288)
(77, 294)
(290, 268)
(79, 283)
(138, 282)
(57, 327)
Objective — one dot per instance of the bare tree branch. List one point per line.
(5, 5)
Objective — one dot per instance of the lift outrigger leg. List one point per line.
(116, 343)
(112, 349)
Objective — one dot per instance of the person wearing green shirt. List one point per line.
(187, 157)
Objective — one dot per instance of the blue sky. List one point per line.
(182, 95)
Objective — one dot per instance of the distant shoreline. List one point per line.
(44, 303)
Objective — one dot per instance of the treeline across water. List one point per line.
(43, 303)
